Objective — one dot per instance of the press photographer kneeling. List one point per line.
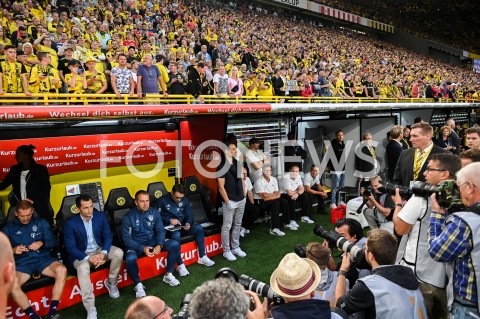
(380, 206)
(412, 220)
(372, 294)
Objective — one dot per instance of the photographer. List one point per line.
(372, 295)
(320, 254)
(296, 279)
(455, 239)
(380, 206)
(224, 298)
(353, 232)
(413, 221)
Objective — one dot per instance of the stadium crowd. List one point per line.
(457, 21)
(96, 47)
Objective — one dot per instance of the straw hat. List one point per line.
(295, 277)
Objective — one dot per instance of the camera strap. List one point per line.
(475, 209)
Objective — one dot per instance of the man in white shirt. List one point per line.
(267, 196)
(251, 211)
(291, 189)
(314, 189)
(255, 159)
(220, 81)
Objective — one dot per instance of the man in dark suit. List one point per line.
(366, 163)
(88, 241)
(412, 163)
(393, 150)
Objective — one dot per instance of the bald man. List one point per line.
(7, 272)
(149, 307)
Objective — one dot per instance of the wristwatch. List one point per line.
(399, 205)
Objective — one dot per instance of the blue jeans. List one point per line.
(462, 312)
(171, 246)
(337, 185)
(196, 230)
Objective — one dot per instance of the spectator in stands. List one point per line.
(148, 238)
(295, 279)
(32, 239)
(121, 77)
(88, 241)
(232, 191)
(148, 307)
(75, 77)
(235, 84)
(406, 138)
(470, 156)
(251, 211)
(292, 190)
(175, 210)
(413, 162)
(267, 196)
(256, 158)
(321, 254)
(44, 77)
(148, 78)
(380, 207)
(177, 82)
(314, 189)
(29, 181)
(209, 300)
(195, 83)
(454, 239)
(337, 167)
(473, 137)
(294, 153)
(371, 294)
(411, 220)
(7, 269)
(220, 81)
(94, 81)
(63, 69)
(13, 75)
(393, 149)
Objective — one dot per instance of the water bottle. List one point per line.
(59, 257)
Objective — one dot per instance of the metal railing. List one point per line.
(125, 99)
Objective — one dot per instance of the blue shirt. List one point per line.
(454, 243)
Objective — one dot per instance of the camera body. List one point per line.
(447, 193)
(184, 312)
(335, 240)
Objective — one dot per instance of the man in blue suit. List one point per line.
(88, 240)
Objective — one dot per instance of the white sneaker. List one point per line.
(139, 291)
(171, 280)
(112, 290)
(206, 261)
(242, 232)
(229, 256)
(277, 232)
(92, 313)
(333, 206)
(307, 219)
(294, 223)
(182, 270)
(239, 252)
(291, 226)
(342, 203)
